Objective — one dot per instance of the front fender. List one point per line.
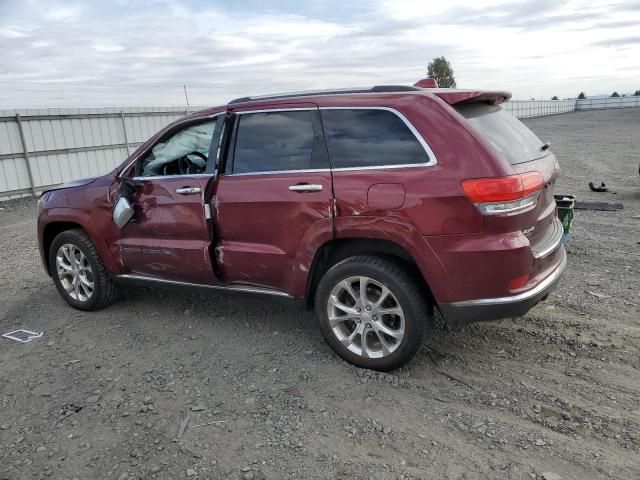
(68, 215)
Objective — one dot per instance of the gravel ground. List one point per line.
(260, 395)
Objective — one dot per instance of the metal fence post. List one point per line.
(124, 130)
(25, 152)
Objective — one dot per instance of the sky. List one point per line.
(135, 52)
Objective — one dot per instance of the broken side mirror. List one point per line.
(122, 212)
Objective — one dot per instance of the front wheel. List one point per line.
(78, 271)
(372, 312)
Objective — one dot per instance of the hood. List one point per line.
(74, 183)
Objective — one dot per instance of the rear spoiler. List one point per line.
(454, 96)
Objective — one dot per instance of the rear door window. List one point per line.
(273, 141)
(513, 140)
(370, 138)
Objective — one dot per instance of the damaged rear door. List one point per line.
(274, 201)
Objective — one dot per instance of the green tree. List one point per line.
(636, 93)
(615, 95)
(440, 69)
(555, 97)
(582, 96)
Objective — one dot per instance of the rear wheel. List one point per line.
(372, 312)
(78, 271)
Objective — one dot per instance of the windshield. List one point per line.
(513, 140)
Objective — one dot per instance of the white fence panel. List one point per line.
(608, 102)
(67, 144)
(539, 108)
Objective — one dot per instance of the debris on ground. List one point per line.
(183, 425)
(598, 295)
(22, 335)
(601, 188)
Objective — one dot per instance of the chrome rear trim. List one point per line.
(550, 241)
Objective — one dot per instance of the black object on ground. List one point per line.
(601, 188)
(601, 206)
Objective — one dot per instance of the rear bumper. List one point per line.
(469, 311)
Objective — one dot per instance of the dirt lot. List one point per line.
(551, 395)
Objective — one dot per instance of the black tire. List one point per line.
(105, 290)
(413, 300)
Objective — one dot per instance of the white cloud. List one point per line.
(142, 52)
(9, 32)
(58, 11)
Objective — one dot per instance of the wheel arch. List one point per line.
(48, 232)
(52, 230)
(334, 251)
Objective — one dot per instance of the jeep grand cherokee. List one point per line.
(374, 206)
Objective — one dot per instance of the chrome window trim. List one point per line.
(189, 175)
(432, 157)
(324, 170)
(269, 110)
(384, 167)
(277, 172)
(188, 121)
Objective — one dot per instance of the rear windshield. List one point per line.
(515, 142)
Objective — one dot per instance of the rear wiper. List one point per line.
(545, 146)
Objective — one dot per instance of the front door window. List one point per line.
(184, 153)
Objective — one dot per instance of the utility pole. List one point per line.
(186, 97)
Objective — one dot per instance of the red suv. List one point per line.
(373, 206)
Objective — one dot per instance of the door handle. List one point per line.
(188, 190)
(306, 187)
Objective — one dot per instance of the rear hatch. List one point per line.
(531, 160)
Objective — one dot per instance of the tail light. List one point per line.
(509, 194)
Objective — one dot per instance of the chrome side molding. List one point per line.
(234, 288)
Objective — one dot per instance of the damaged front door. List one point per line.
(169, 236)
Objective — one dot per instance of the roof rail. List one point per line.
(309, 93)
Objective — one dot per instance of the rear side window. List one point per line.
(273, 141)
(513, 140)
(370, 138)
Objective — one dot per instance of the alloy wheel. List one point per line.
(74, 272)
(366, 317)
